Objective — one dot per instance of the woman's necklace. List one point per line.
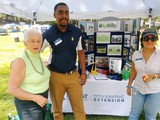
(42, 73)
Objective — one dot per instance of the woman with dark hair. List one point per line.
(145, 73)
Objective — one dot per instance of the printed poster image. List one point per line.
(103, 37)
(87, 27)
(127, 67)
(128, 26)
(127, 40)
(89, 44)
(115, 64)
(114, 49)
(82, 26)
(89, 59)
(116, 39)
(133, 48)
(135, 26)
(90, 29)
(101, 49)
(134, 43)
(125, 52)
(102, 62)
(86, 45)
(134, 40)
(86, 56)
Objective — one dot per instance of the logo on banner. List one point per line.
(85, 97)
(108, 98)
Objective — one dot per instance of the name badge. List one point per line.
(58, 41)
(139, 59)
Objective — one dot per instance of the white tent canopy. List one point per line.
(82, 9)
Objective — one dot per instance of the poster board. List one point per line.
(110, 38)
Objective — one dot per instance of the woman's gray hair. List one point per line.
(30, 31)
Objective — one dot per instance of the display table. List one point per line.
(103, 97)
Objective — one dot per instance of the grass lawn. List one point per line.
(9, 49)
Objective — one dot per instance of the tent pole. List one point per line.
(34, 22)
(150, 22)
(34, 18)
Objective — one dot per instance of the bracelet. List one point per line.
(155, 76)
(129, 86)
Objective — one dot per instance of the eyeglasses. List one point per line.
(33, 42)
(153, 38)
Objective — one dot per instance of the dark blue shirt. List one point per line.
(63, 46)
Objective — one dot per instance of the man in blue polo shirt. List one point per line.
(65, 41)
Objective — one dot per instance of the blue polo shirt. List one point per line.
(63, 46)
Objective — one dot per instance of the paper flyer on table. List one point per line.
(100, 77)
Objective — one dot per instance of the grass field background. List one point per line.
(9, 49)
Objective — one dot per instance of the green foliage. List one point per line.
(52, 22)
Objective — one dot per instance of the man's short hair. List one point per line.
(59, 4)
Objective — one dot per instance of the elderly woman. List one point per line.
(29, 79)
(145, 72)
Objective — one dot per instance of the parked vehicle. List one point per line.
(3, 31)
(44, 27)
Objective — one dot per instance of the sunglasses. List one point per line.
(153, 38)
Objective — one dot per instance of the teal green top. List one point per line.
(34, 82)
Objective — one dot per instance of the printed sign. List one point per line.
(109, 25)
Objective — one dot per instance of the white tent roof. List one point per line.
(82, 9)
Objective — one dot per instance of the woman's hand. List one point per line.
(148, 77)
(129, 91)
(40, 100)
